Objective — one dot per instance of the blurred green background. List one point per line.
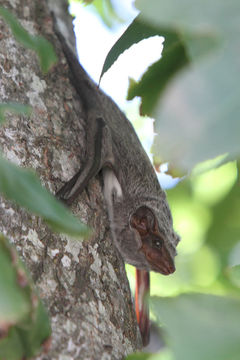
(198, 307)
(206, 213)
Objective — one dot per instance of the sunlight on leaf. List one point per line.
(214, 185)
(203, 267)
(104, 9)
(210, 164)
(165, 354)
(139, 356)
(234, 275)
(191, 218)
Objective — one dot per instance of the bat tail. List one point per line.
(141, 304)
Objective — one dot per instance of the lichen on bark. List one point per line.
(83, 284)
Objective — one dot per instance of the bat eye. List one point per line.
(157, 243)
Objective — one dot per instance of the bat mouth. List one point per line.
(160, 261)
(165, 269)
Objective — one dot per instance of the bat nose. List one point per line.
(167, 267)
(170, 268)
(167, 263)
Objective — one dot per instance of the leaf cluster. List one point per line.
(192, 91)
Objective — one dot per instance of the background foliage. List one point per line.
(192, 92)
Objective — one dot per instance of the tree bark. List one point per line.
(83, 284)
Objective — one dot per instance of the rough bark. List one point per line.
(83, 284)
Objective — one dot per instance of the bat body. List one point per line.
(139, 215)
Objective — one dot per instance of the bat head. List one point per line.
(142, 229)
(154, 244)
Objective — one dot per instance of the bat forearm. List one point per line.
(142, 292)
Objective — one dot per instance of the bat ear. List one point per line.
(142, 220)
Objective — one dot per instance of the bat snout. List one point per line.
(159, 260)
(168, 268)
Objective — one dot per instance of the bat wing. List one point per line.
(141, 304)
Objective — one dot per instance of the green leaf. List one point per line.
(216, 17)
(198, 116)
(34, 334)
(137, 31)
(234, 275)
(11, 347)
(200, 327)
(15, 108)
(154, 81)
(25, 189)
(179, 50)
(224, 233)
(164, 354)
(106, 11)
(41, 46)
(206, 214)
(14, 302)
(24, 323)
(45, 52)
(139, 356)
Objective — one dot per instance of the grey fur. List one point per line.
(129, 178)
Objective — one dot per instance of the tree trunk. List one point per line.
(83, 284)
